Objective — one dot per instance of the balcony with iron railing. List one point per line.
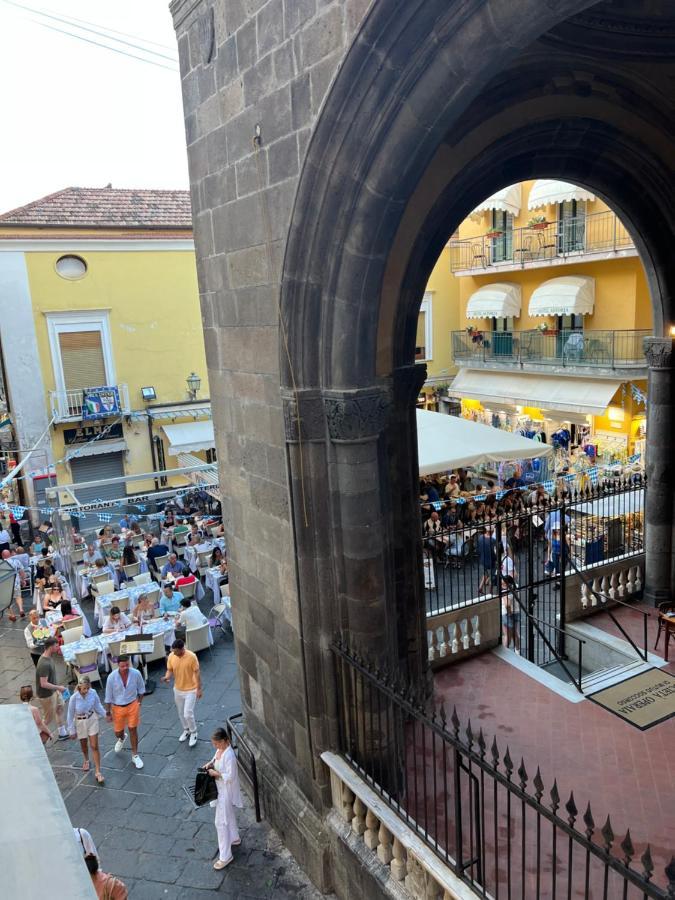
(68, 406)
(569, 350)
(597, 236)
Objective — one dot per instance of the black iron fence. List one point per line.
(503, 832)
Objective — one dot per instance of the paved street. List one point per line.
(144, 827)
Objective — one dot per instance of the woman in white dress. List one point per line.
(223, 767)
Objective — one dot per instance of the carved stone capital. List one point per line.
(304, 417)
(358, 415)
(408, 381)
(659, 352)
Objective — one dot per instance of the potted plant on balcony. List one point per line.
(537, 222)
(495, 233)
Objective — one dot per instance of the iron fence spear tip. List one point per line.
(555, 796)
(607, 834)
(538, 785)
(670, 875)
(647, 863)
(627, 847)
(572, 810)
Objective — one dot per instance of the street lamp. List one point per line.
(194, 382)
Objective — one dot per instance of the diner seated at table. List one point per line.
(105, 534)
(186, 577)
(216, 557)
(91, 554)
(116, 621)
(144, 610)
(114, 553)
(173, 567)
(190, 615)
(128, 559)
(53, 596)
(170, 601)
(39, 544)
(452, 488)
(67, 611)
(169, 518)
(45, 566)
(157, 550)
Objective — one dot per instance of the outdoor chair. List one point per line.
(77, 622)
(72, 634)
(161, 561)
(217, 618)
(86, 663)
(114, 652)
(123, 604)
(188, 590)
(98, 578)
(197, 639)
(132, 569)
(105, 587)
(143, 578)
(159, 650)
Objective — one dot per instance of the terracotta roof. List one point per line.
(76, 207)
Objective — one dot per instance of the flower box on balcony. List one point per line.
(539, 226)
(494, 234)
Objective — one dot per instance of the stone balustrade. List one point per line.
(463, 631)
(362, 816)
(618, 580)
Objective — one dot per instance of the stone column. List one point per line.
(660, 467)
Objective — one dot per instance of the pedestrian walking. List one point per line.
(26, 695)
(107, 887)
(124, 692)
(223, 767)
(187, 689)
(47, 691)
(487, 559)
(84, 711)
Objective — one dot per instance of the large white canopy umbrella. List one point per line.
(447, 442)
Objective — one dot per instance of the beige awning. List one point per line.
(506, 200)
(499, 299)
(189, 437)
(565, 296)
(579, 395)
(95, 448)
(547, 192)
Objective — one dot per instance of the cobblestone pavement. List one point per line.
(145, 829)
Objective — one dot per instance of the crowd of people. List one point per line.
(60, 715)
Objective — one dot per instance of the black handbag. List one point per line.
(206, 789)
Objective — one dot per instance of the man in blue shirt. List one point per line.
(169, 603)
(156, 550)
(487, 559)
(124, 691)
(173, 567)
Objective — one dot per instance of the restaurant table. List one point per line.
(101, 642)
(102, 604)
(212, 580)
(55, 618)
(192, 553)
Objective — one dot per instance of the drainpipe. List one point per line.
(152, 451)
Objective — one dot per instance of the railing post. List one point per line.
(563, 580)
(457, 774)
(530, 593)
(613, 347)
(614, 221)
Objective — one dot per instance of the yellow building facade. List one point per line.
(103, 284)
(553, 307)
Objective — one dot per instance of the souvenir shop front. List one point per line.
(603, 419)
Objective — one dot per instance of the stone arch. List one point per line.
(436, 105)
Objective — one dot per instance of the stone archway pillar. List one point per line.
(660, 500)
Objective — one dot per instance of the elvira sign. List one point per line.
(100, 402)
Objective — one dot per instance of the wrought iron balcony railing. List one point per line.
(532, 244)
(568, 348)
(67, 406)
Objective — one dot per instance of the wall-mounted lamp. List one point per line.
(148, 393)
(672, 330)
(194, 382)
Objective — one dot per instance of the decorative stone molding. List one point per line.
(618, 585)
(359, 416)
(659, 352)
(310, 423)
(416, 871)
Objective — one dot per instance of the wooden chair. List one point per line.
(77, 622)
(132, 569)
(667, 624)
(143, 578)
(197, 639)
(71, 635)
(86, 663)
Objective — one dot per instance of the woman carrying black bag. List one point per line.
(223, 770)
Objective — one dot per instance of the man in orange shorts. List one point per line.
(124, 692)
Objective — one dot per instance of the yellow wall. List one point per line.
(444, 288)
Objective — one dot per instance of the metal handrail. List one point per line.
(603, 599)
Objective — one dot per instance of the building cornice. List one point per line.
(62, 245)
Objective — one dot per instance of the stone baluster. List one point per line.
(441, 641)
(432, 653)
(370, 837)
(605, 588)
(384, 848)
(614, 585)
(399, 865)
(359, 818)
(584, 595)
(346, 803)
(464, 626)
(414, 879)
(454, 631)
(622, 583)
(630, 587)
(597, 589)
(638, 579)
(475, 628)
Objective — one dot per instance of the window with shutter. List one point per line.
(82, 359)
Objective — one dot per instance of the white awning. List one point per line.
(575, 395)
(189, 436)
(95, 448)
(612, 505)
(565, 296)
(499, 299)
(446, 442)
(547, 192)
(506, 200)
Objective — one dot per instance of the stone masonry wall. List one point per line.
(244, 64)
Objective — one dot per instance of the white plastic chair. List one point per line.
(72, 634)
(143, 578)
(197, 639)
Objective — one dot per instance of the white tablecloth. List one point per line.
(55, 617)
(102, 604)
(192, 553)
(212, 580)
(101, 642)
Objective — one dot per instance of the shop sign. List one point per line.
(100, 402)
(85, 433)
